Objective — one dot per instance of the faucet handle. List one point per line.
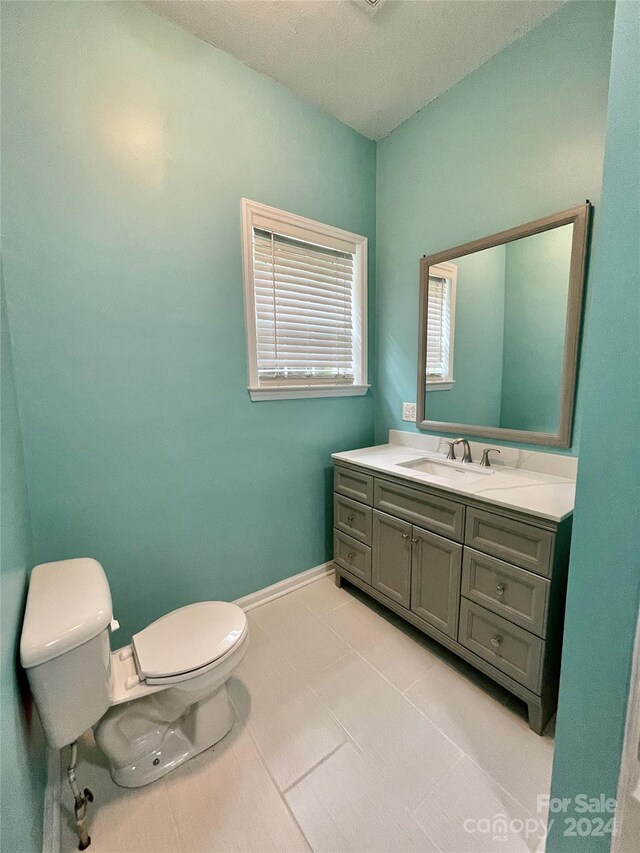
(451, 452)
(485, 462)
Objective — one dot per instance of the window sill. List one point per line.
(295, 392)
(440, 386)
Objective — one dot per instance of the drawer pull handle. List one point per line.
(350, 556)
(496, 642)
(500, 589)
(349, 519)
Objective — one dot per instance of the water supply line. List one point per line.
(82, 798)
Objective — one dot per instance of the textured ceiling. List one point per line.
(371, 71)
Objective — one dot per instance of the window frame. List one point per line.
(257, 215)
(447, 271)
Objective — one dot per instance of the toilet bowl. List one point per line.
(154, 703)
(178, 668)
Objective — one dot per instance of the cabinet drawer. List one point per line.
(353, 484)
(352, 555)
(506, 646)
(352, 518)
(515, 541)
(516, 594)
(438, 515)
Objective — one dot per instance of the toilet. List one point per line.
(152, 704)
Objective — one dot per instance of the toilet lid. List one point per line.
(188, 639)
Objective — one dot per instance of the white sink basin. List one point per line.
(445, 470)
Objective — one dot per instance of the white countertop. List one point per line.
(542, 494)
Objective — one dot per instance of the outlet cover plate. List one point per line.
(409, 412)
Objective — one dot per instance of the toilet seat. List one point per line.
(188, 641)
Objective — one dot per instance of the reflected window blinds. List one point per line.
(438, 328)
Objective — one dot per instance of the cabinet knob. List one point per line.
(350, 556)
(415, 541)
(500, 589)
(496, 642)
(405, 536)
(349, 519)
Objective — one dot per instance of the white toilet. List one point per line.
(153, 704)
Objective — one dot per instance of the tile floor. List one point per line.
(354, 732)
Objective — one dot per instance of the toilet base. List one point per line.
(204, 724)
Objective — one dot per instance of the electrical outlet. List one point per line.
(409, 412)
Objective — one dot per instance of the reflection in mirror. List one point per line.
(499, 332)
(505, 335)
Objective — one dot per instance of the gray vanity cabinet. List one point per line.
(391, 557)
(486, 582)
(435, 580)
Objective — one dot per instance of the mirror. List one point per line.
(499, 330)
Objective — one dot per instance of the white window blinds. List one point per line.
(439, 328)
(304, 310)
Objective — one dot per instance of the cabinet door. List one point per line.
(391, 557)
(435, 580)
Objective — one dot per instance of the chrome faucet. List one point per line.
(485, 461)
(466, 456)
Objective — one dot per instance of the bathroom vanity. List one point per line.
(476, 558)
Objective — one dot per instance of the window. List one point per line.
(440, 326)
(305, 302)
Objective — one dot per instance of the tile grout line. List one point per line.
(303, 679)
(347, 738)
(350, 739)
(413, 683)
(464, 755)
(433, 723)
(172, 812)
(261, 758)
(460, 758)
(400, 693)
(369, 758)
(470, 757)
(406, 698)
(500, 785)
(381, 674)
(438, 662)
(320, 700)
(424, 831)
(264, 764)
(308, 772)
(485, 773)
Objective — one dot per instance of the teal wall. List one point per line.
(127, 146)
(520, 138)
(479, 330)
(23, 762)
(604, 578)
(537, 272)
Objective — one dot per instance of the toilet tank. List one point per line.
(64, 646)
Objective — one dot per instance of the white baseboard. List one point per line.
(51, 819)
(262, 596)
